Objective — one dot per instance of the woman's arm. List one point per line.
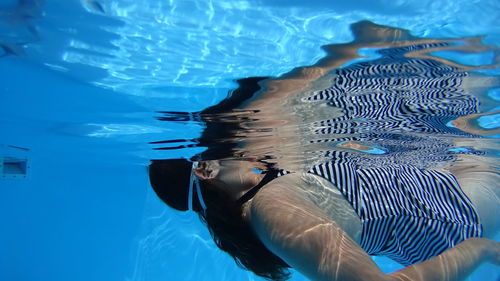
(302, 235)
(453, 264)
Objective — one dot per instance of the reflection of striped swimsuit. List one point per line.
(400, 105)
(407, 214)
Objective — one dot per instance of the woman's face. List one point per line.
(233, 176)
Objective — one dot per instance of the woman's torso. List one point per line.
(405, 213)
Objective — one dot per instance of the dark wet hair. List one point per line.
(223, 216)
(217, 136)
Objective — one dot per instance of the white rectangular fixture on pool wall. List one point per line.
(13, 168)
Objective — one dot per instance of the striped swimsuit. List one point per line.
(407, 214)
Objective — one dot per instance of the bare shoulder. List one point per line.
(306, 195)
(285, 185)
(280, 215)
(284, 195)
(291, 225)
(282, 211)
(280, 200)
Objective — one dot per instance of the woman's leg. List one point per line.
(481, 183)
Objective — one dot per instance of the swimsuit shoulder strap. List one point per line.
(270, 175)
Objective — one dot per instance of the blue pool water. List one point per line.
(81, 81)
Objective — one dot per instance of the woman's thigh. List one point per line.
(481, 183)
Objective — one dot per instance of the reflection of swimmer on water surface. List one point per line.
(19, 29)
(469, 124)
(282, 186)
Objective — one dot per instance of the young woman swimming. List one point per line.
(272, 204)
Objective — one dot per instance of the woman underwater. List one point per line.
(324, 166)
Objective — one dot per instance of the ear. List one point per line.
(206, 170)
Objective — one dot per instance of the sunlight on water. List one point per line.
(209, 43)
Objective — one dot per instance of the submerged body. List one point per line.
(404, 209)
(353, 163)
(327, 246)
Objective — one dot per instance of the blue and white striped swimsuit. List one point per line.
(407, 214)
